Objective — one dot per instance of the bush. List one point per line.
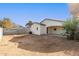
(70, 26)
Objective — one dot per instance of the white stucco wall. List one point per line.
(34, 29)
(1, 33)
(52, 23)
(41, 29)
(58, 31)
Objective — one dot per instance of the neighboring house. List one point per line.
(47, 26)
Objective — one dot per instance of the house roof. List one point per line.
(39, 23)
(44, 20)
(51, 20)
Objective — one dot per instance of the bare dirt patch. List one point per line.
(38, 45)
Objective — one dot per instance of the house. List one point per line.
(47, 26)
(53, 26)
(38, 28)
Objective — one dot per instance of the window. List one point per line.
(37, 28)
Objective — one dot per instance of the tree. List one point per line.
(70, 26)
(74, 9)
(29, 23)
(6, 23)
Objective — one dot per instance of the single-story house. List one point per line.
(38, 28)
(47, 26)
(53, 26)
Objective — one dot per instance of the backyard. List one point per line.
(34, 45)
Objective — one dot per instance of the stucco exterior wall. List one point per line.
(43, 30)
(38, 29)
(57, 31)
(35, 30)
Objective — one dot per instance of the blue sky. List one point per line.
(21, 13)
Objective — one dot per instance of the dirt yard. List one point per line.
(33, 45)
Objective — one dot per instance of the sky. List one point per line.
(21, 13)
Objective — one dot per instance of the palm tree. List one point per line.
(70, 26)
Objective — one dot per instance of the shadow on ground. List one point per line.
(46, 44)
